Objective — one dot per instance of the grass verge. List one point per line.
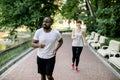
(8, 55)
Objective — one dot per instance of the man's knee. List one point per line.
(50, 78)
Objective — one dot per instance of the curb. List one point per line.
(105, 62)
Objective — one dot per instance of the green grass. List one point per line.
(4, 58)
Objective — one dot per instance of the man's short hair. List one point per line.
(51, 20)
(79, 21)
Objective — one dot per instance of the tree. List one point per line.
(71, 10)
(26, 12)
(107, 17)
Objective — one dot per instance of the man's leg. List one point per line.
(50, 67)
(43, 77)
(50, 78)
(41, 68)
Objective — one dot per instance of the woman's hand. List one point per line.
(84, 44)
(74, 37)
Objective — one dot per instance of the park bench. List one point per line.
(115, 61)
(111, 50)
(91, 36)
(100, 43)
(95, 39)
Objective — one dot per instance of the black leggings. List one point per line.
(76, 54)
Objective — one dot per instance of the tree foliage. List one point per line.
(71, 9)
(31, 12)
(26, 12)
(107, 17)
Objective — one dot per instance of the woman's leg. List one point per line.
(73, 54)
(79, 50)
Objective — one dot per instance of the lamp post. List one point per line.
(89, 7)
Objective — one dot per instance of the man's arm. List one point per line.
(36, 45)
(60, 42)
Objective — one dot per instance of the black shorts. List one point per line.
(45, 66)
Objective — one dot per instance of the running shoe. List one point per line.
(76, 69)
(73, 66)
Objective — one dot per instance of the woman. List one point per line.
(77, 44)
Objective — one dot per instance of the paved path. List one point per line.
(91, 68)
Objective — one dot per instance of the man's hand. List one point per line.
(42, 45)
(54, 52)
(60, 42)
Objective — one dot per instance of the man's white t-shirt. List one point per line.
(50, 39)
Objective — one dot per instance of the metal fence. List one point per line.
(15, 47)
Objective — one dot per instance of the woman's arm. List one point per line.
(73, 34)
(83, 38)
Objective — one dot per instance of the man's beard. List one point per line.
(46, 28)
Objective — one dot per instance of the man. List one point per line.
(48, 41)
